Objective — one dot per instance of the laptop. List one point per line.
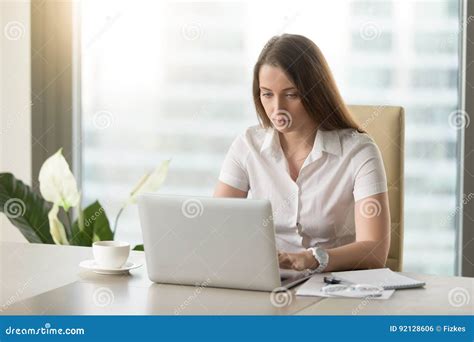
(216, 242)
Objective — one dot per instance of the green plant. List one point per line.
(47, 218)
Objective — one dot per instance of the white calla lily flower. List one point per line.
(150, 182)
(56, 228)
(57, 183)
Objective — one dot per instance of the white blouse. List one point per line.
(344, 166)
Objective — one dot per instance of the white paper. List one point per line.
(313, 287)
(379, 277)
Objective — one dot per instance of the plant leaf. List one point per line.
(139, 248)
(32, 217)
(96, 226)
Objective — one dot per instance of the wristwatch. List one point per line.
(322, 256)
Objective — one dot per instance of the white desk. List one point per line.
(46, 280)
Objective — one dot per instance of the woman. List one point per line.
(323, 175)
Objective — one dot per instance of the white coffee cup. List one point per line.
(111, 254)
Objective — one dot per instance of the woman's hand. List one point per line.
(297, 261)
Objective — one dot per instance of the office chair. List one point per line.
(386, 125)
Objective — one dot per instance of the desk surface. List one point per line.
(46, 280)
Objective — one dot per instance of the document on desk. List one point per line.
(313, 287)
(384, 277)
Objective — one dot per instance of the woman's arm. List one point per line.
(224, 190)
(370, 250)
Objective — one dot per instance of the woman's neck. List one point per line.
(300, 140)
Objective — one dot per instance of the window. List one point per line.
(372, 41)
(435, 43)
(172, 79)
(370, 77)
(435, 78)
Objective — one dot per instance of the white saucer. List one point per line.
(94, 267)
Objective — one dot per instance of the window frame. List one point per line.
(465, 214)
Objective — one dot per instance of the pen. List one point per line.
(331, 280)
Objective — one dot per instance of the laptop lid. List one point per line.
(222, 242)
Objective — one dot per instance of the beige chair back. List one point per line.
(386, 125)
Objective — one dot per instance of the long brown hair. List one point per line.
(305, 65)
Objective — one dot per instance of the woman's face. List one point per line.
(282, 101)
